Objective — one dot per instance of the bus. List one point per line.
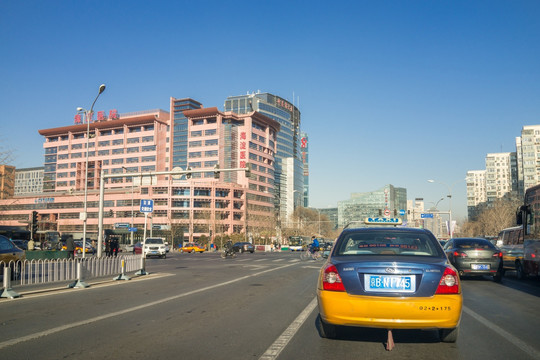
(521, 244)
(48, 239)
(298, 243)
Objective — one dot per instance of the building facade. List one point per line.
(140, 142)
(7, 181)
(476, 192)
(28, 181)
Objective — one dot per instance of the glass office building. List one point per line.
(289, 166)
(388, 201)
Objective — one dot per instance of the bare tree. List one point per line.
(496, 216)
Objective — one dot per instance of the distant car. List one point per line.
(389, 278)
(11, 256)
(475, 257)
(21, 244)
(243, 247)
(154, 247)
(192, 248)
(137, 248)
(326, 248)
(79, 247)
(129, 247)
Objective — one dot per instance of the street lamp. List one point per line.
(450, 225)
(88, 115)
(131, 230)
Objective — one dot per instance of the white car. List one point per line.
(155, 247)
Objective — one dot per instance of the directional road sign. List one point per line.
(147, 206)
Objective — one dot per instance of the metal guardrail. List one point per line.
(29, 272)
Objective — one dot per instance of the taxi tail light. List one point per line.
(332, 280)
(459, 254)
(498, 254)
(449, 283)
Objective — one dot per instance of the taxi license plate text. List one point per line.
(390, 283)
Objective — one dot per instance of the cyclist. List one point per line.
(314, 247)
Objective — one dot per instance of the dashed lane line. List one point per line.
(58, 329)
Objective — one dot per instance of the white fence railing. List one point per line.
(29, 272)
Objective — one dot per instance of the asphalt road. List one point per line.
(255, 306)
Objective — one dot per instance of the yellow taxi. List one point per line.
(390, 278)
(192, 247)
(79, 247)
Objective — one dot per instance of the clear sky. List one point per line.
(391, 92)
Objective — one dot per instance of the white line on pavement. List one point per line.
(21, 339)
(505, 334)
(281, 342)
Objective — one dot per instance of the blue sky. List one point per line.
(391, 92)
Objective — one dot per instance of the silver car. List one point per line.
(475, 257)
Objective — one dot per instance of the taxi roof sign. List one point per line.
(383, 221)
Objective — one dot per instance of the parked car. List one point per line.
(192, 248)
(475, 257)
(243, 247)
(154, 247)
(390, 278)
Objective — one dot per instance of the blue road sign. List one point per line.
(401, 212)
(132, 229)
(426, 216)
(147, 206)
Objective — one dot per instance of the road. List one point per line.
(255, 306)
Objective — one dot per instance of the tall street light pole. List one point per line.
(450, 225)
(88, 116)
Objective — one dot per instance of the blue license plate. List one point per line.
(390, 283)
(480, 266)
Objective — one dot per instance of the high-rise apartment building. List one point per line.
(501, 175)
(528, 156)
(289, 167)
(476, 192)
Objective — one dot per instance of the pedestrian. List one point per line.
(114, 246)
(108, 246)
(70, 247)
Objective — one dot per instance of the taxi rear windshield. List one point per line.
(395, 243)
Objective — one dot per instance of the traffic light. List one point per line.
(111, 213)
(248, 170)
(34, 221)
(188, 175)
(395, 213)
(216, 171)
(380, 212)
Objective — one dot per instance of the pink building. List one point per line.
(141, 142)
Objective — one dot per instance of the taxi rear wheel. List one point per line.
(449, 335)
(327, 331)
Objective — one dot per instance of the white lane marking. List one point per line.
(281, 342)
(505, 334)
(276, 260)
(21, 339)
